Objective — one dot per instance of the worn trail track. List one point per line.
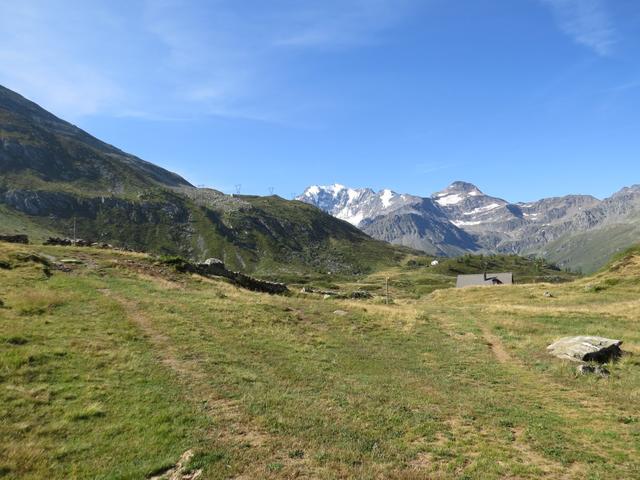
(226, 413)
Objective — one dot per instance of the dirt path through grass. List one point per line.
(194, 380)
(496, 345)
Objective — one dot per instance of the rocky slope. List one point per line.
(54, 177)
(577, 231)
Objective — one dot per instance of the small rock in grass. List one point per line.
(72, 261)
(599, 370)
(340, 313)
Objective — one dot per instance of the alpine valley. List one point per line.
(579, 232)
(56, 178)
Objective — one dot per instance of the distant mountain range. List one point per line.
(576, 231)
(56, 178)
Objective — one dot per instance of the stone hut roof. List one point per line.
(484, 279)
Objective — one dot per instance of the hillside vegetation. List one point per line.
(113, 365)
(415, 277)
(57, 179)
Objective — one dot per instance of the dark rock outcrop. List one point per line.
(360, 294)
(67, 242)
(24, 239)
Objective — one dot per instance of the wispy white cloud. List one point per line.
(165, 59)
(146, 115)
(35, 60)
(331, 24)
(235, 63)
(587, 22)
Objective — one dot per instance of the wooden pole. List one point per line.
(386, 281)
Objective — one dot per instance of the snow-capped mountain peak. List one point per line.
(456, 193)
(353, 204)
(467, 206)
(315, 190)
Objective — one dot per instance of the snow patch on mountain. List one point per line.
(484, 209)
(351, 217)
(460, 223)
(450, 199)
(386, 197)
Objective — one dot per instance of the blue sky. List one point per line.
(525, 98)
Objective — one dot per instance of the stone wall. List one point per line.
(14, 239)
(217, 268)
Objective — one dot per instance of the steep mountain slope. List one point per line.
(577, 231)
(56, 178)
(420, 225)
(39, 147)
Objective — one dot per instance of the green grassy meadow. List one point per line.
(114, 369)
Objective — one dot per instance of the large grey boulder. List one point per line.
(586, 349)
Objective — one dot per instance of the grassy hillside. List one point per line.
(416, 277)
(53, 173)
(267, 235)
(117, 367)
(13, 222)
(525, 270)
